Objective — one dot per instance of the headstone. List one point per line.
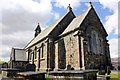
(72, 68)
(0, 68)
(108, 71)
(102, 71)
(68, 67)
(30, 67)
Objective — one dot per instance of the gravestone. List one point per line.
(30, 67)
(108, 71)
(68, 67)
(0, 68)
(101, 71)
(72, 68)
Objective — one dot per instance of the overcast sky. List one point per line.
(19, 18)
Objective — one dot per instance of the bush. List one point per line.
(2, 62)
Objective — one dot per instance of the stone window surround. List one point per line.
(41, 51)
(36, 48)
(99, 44)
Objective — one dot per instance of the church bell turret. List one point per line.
(37, 30)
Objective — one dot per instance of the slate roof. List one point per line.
(76, 22)
(44, 33)
(17, 51)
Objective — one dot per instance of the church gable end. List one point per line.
(90, 38)
(95, 35)
(92, 19)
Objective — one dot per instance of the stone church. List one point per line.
(76, 41)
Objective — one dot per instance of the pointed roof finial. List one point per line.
(90, 4)
(69, 8)
(69, 4)
(38, 27)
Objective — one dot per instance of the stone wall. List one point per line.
(40, 61)
(95, 61)
(98, 58)
(72, 51)
(67, 52)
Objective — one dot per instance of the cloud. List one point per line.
(18, 19)
(57, 16)
(25, 13)
(64, 4)
(17, 40)
(111, 4)
(111, 23)
(87, 4)
(6, 50)
(114, 47)
(119, 18)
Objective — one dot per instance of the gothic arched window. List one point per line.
(94, 42)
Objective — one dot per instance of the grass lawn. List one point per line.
(115, 76)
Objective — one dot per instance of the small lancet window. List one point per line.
(42, 50)
(35, 52)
